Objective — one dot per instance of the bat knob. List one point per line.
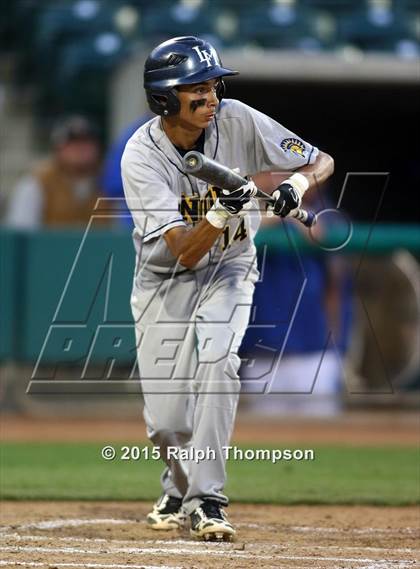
(191, 161)
(311, 220)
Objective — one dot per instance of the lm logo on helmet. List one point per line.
(206, 56)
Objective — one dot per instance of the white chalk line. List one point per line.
(65, 523)
(390, 566)
(68, 523)
(353, 530)
(130, 551)
(85, 565)
(320, 529)
(179, 551)
(107, 566)
(227, 546)
(113, 566)
(125, 566)
(58, 524)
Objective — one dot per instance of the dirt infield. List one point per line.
(375, 428)
(113, 535)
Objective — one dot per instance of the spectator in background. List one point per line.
(111, 181)
(62, 190)
(307, 323)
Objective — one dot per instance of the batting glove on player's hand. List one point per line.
(288, 196)
(234, 201)
(230, 203)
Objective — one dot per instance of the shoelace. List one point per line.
(172, 505)
(212, 509)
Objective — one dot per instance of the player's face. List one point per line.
(198, 103)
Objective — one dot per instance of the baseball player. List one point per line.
(196, 267)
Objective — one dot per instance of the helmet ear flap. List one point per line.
(221, 89)
(163, 102)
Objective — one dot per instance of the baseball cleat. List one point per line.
(167, 514)
(209, 522)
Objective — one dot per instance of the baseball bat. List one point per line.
(221, 176)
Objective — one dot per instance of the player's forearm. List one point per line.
(318, 172)
(190, 246)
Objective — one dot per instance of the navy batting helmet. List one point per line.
(180, 61)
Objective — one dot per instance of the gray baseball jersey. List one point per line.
(204, 311)
(161, 195)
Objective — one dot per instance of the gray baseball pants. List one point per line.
(188, 330)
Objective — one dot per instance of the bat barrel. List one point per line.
(218, 175)
(212, 172)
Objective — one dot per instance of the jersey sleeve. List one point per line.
(276, 147)
(153, 205)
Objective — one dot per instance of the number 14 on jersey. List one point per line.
(239, 234)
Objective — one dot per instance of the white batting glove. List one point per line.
(231, 203)
(288, 196)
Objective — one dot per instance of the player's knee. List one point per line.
(220, 377)
(214, 350)
(167, 436)
(233, 362)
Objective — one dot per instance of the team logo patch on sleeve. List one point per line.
(293, 145)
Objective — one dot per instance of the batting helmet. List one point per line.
(180, 61)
